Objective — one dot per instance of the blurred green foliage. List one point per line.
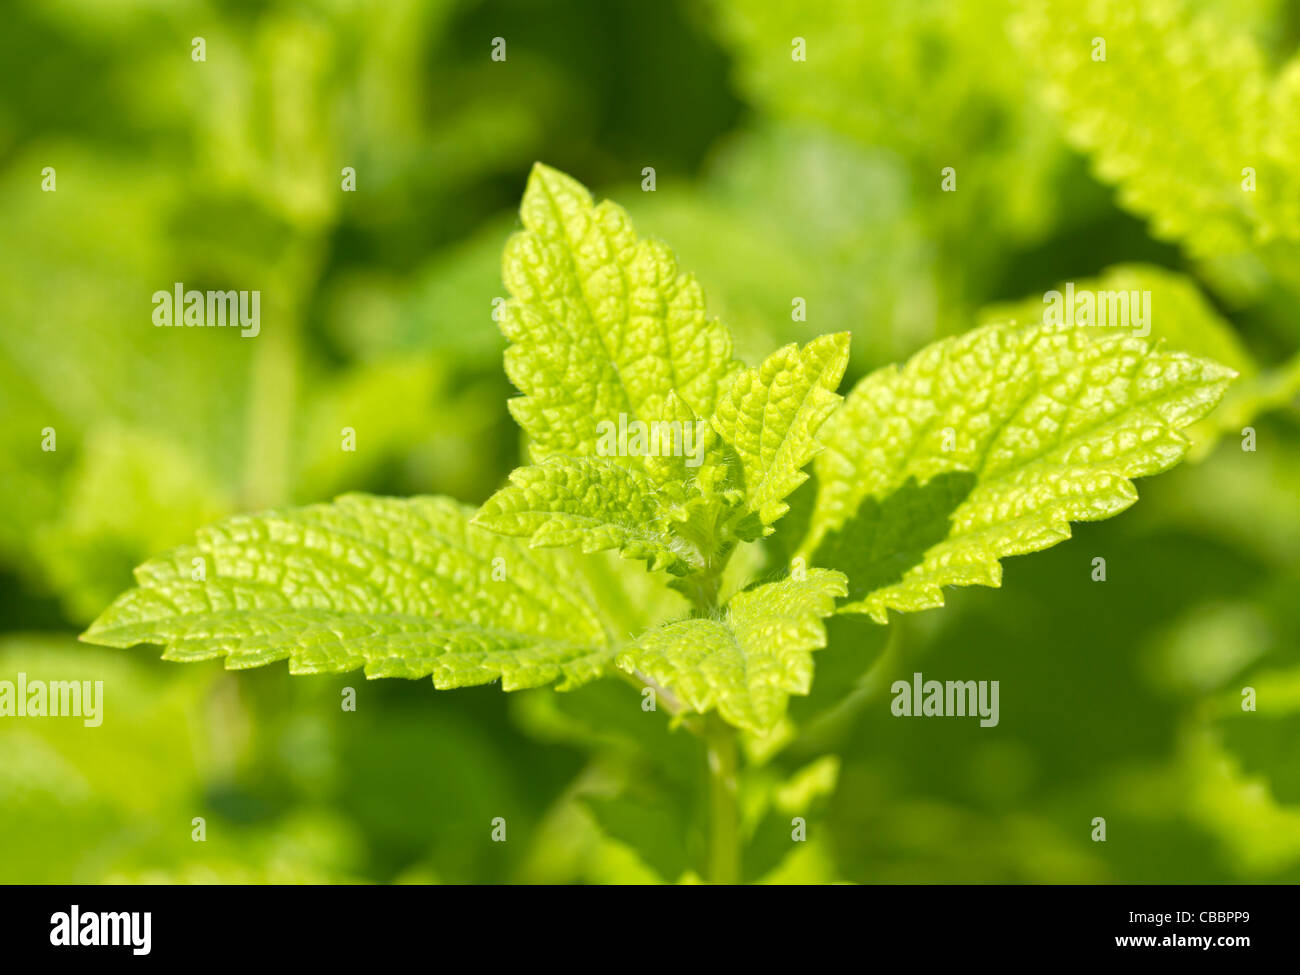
(775, 178)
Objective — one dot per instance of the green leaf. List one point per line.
(1182, 318)
(129, 496)
(989, 444)
(771, 415)
(601, 323)
(746, 663)
(1178, 109)
(403, 588)
(609, 342)
(698, 467)
(593, 503)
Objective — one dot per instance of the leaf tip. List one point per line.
(544, 179)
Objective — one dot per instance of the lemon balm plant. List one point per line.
(982, 446)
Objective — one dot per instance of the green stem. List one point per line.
(724, 809)
(270, 419)
(720, 740)
(702, 590)
(274, 378)
(663, 696)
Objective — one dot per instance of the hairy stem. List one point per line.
(702, 590)
(662, 696)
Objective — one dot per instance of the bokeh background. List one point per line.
(774, 179)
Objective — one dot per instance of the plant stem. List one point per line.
(724, 809)
(720, 739)
(270, 419)
(663, 696)
(274, 379)
(703, 593)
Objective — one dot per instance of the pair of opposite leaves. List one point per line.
(982, 446)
